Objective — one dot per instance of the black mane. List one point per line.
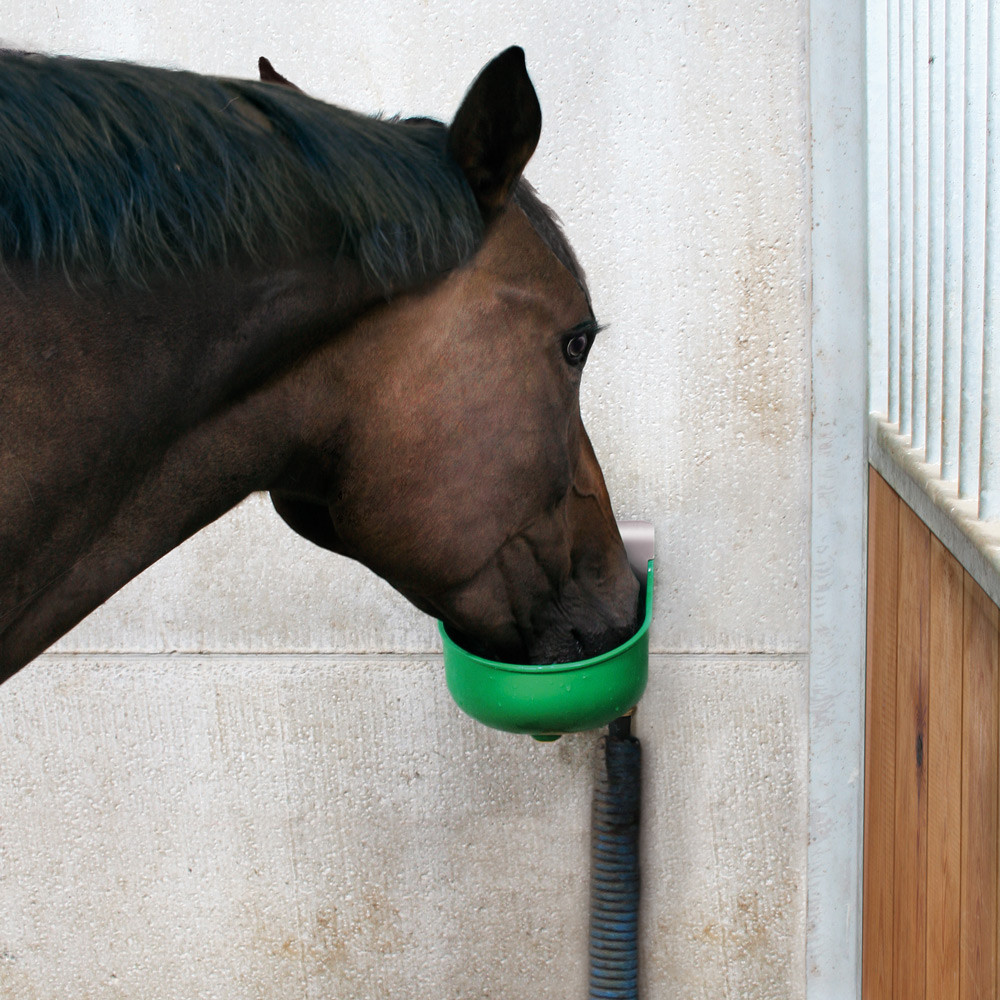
(111, 171)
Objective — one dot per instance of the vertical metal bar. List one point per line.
(877, 98)
(989, 466)
(921, 96)
(935, 229)
(974, 246)
(954, 172)
(895, 304)
(906, 217)
(989, 459)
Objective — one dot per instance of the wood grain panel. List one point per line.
(880, 740)
(912, 685)
(931, 921)
(979, 795)
(944, 775)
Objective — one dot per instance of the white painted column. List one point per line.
(839, 325)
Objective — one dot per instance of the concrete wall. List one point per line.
(243, 777)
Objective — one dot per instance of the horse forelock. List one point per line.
(117, 171)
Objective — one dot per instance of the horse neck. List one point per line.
(224, 335)
(194, 480)
(154, 414)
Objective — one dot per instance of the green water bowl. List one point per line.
(547, 700)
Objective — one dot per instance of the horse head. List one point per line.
(380, 324)
(451, 457)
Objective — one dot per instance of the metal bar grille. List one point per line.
(934, 187)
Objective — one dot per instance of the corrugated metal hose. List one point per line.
(614, 873)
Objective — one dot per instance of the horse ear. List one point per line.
(496, 129)
(269, 74)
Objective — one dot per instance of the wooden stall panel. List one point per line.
(931, 923)
(912, 683)
(944, 775)
(979, 796)
(880, 741)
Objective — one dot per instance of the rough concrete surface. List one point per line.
(243, 777)
(188, 827)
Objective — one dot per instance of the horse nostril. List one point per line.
(598, 643)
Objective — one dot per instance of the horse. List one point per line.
(212, 287)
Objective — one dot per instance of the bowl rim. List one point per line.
(571, 665)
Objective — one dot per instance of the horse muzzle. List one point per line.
(580, 627)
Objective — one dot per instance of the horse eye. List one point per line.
(576, 347)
